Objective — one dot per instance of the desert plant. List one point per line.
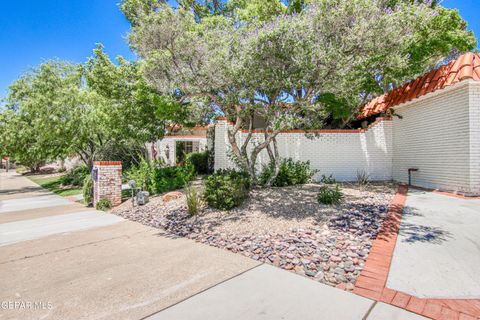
(289, 173)
(193, 199)
(328, 180)
(226, 189)
(103, 205)
(328, 195)
(363, 179)
(88, 190)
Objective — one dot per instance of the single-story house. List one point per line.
(177, 143)
(428, 129)
(429, 126)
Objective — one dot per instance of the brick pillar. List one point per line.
(107, 181)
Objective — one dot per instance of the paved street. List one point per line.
(87, 264)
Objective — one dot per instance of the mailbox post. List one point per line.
(107, 182)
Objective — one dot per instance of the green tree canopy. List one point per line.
(99, 111)
(308, 69)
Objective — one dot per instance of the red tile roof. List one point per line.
(465, 67)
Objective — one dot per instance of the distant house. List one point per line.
(435, 137)
(177, 143)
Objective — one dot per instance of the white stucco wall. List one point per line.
(438, 134)
(341, 154)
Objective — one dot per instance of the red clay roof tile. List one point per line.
(467, 66)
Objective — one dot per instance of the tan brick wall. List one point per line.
(108, 184)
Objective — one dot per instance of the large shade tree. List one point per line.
(37, 111)
(99, 111)
(311, 65)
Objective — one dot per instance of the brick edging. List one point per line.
(372, 280)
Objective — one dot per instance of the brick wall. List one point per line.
(474, 90)
(341, 153)
(439, 135)
(108, 184)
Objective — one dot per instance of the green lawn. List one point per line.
(52, 183)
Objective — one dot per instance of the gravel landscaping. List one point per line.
(285, 227)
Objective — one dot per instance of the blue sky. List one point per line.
(32, 31)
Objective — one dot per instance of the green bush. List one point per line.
(75, 176)
(88, 190)
(328, 195)
(103, 205)
(199, 160)
(226, 189)
(155, 178)
(290, 173)
(171, 178)
(328, 180)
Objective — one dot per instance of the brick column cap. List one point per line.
(107, 163)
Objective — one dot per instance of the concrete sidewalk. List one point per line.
(85, 264)
(267, 292)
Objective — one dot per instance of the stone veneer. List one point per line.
(108, 182)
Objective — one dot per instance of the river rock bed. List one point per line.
(327, 244)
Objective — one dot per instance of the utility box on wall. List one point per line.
(107, 182)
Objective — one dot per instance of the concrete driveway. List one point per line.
(60, 260)
(437, 254)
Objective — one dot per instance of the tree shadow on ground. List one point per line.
(297, 206)
(22, 190)
(397, 223)
(415, 232)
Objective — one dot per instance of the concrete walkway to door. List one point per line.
(60, 260)
(438, 248)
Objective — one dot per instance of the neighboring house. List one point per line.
(437, 132)
(177, 143)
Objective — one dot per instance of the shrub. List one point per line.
(170, 178)
(103, 205)
(290, 173)
(328, 180)
(88, 190)
(141, 174)
(199, 160)
(193, 199)
(75, 176)
(328, 195)
(155, 178)
(226, 189)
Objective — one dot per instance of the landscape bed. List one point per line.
(285, 227)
